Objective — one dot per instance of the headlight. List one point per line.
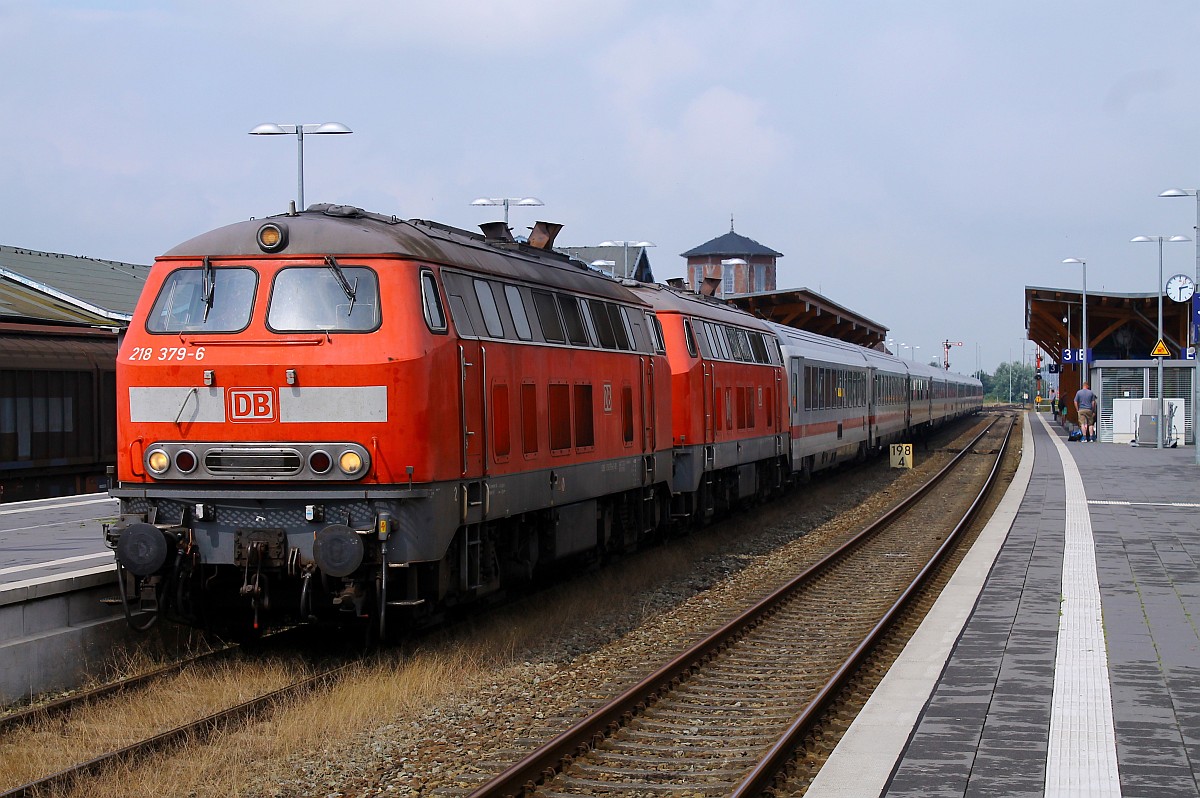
(350, 462)
(158, 462)
(272, 237)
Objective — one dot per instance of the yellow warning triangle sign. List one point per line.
(1160, 349)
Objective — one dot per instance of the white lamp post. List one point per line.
(1084, 375)
(625, 245)
(521, 202)
(271, 129)
(1194, 337)
(1159, 291)
(604, 265)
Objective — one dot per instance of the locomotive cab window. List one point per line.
(431, 301)
(207, 300)
(324, 299)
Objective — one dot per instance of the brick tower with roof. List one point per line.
(748, 266)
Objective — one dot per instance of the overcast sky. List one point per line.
(917, 162)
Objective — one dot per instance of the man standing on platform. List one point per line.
(1085, 408)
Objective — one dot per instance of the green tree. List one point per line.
(1011, 382)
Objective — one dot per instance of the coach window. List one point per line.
(547, 313)
(204, 300)
(517, 308)
(324, 299)
(431, 302)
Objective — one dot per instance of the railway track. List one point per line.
(727, 715)
(62, 716)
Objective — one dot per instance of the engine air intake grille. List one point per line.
(254, 462)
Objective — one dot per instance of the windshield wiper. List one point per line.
(210, 287)
(347, 288)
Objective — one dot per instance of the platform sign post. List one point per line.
(902, 455)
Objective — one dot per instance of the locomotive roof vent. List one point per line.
(543, 234)
(497, 231)
(344, 211)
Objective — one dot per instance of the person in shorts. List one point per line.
(1085, 408)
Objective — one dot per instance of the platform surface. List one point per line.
(1018, 683)
(61, 539)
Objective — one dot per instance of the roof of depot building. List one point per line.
(61, 288)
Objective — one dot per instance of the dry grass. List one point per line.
(51, 745)
(393, 688)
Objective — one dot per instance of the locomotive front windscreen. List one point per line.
(315, 299)
(206, 300)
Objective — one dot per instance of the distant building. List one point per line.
(742, 265)
(618, 261)
(66, 289)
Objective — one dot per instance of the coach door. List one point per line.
(472, 369)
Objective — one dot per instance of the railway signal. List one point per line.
(946, 352)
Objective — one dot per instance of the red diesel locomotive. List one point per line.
(335, 414)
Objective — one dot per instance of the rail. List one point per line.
(541, 765)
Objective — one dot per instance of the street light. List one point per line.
(626, 245)
(1193, 333)
(604, 265)
(1159, 291)
(521, 202)
(271, 129)
(1084, 376)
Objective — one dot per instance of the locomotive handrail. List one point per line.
(235, 341)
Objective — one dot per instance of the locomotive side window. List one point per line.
(585, 310)
(576, 333)
(204, 300)
(603, 325)
(487, 304)
(517, 308)
(656, 333)
(620, 331)
(689, 338)
(547, 313)
(431, 302)
(324, 299)
(759, 347)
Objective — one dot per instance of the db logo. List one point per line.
(252, 405)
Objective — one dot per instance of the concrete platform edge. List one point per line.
(862, 763)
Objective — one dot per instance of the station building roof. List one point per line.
(1120, 326)
(67, 289)
(808, 310)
